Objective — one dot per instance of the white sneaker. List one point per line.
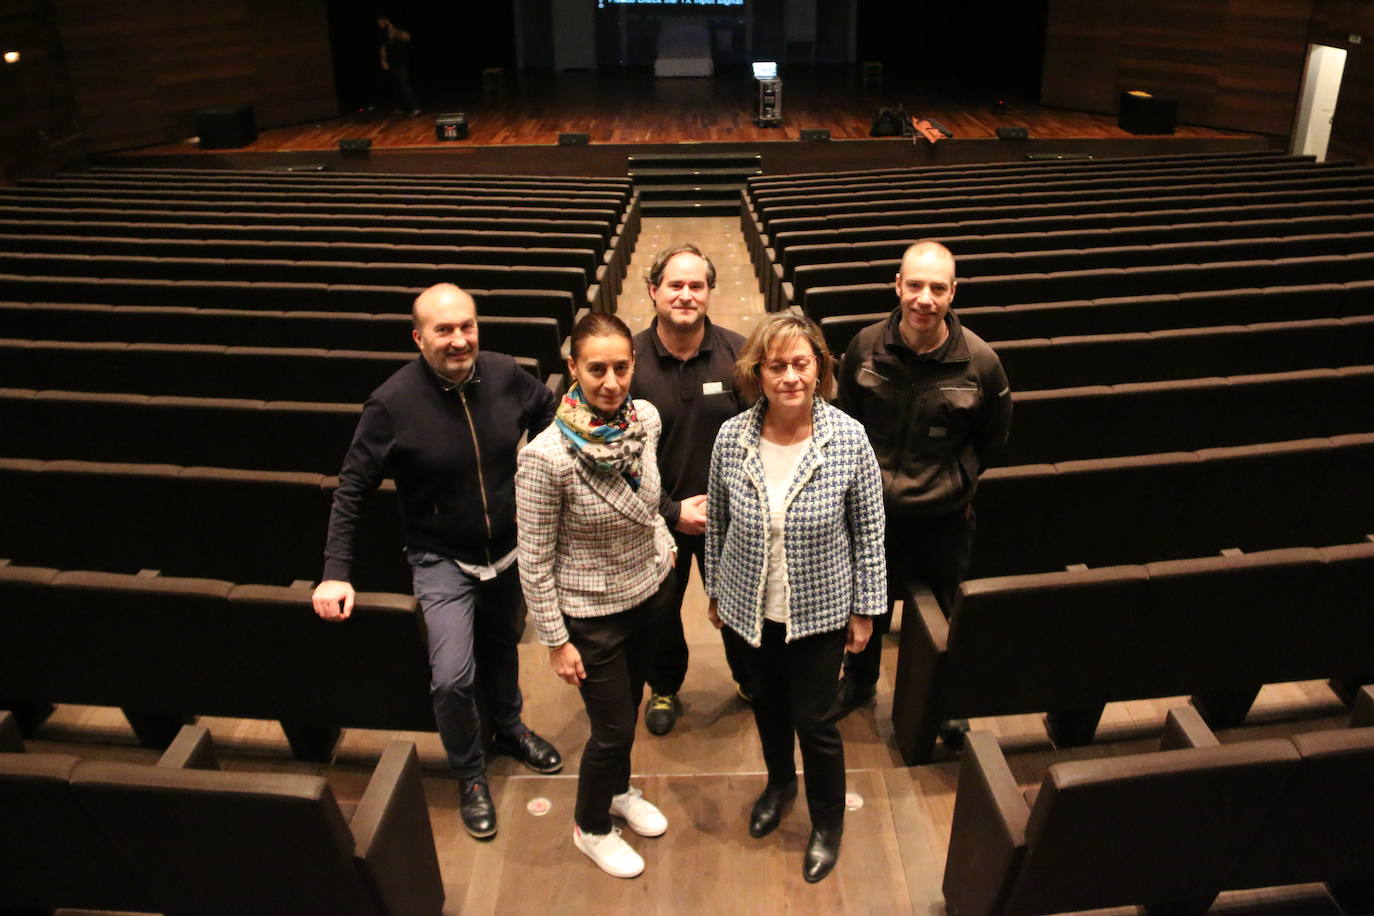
(612, 854)
(643, 818)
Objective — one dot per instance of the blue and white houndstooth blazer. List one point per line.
(589, 544)
(832, 530)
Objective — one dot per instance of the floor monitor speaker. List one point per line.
(573, 139)
(451, 126)
(815, 133)
(226, 128)
(1013, 133)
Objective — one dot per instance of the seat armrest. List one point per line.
(1363, 712)
(936, 626)
(1185, 728)
(11, 741)
(988, 835)
(192, 749)
(393, 838)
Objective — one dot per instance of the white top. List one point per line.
(779, 464)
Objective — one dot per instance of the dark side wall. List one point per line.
(38, 130)
(1234, 64)
(98, 76)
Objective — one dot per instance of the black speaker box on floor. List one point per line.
(451, 126)
(1013, 133)
(226, 128)
(355, 144)
(573, 139)
(815, 133)
(1146, 114)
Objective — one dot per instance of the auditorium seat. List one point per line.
(1343, 507)
(1166, 828)
(1250, 497)
(54, 852)
(1106, 511)
(210, 841)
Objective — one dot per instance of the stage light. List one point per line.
(11, 57)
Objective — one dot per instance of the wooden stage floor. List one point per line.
(633, 107)
(706, 773)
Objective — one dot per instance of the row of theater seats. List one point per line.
(541, 336)
(835, 245)
(1138, 314)
(1061, 176)
(1106, 511)
(1005, 290)
(1067, 642)
(1108, 421)
(616, 190)
(211, 648)
(1015, 192)
(222, 523)
(305, 301)
(1175, 353)
(379, 236)
(219, 371)
(844, 177)
(1053, 211)
(184, 836)
(248, 270)
(401, 227)
(1172, 828)
(842, 268)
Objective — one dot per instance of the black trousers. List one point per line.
(670, 663)
(934, 551)
(794, 691)
(617, 651)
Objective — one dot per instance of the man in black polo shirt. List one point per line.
(685, 366)
(446, 427)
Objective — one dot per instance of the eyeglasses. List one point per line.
(778, 368)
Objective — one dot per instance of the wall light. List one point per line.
(11, 57)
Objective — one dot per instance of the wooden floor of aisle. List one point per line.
(706, 773)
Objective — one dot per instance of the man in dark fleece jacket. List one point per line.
(936, 404)
(446, 428)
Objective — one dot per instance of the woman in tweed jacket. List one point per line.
(794, 564)
(596, 563)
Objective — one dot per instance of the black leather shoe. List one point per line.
(531, 750)
(952, 732)
(822, 852)
(850, 696)
(476, 808)
(769, 808)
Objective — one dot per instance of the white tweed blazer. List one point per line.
(589, 544)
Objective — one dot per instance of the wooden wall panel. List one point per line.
(38, 129)
(1081, 54)
(1234, 64)
(1264, 50)
(141, 71)
(1171, 48)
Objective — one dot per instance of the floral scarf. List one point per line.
(607, 446)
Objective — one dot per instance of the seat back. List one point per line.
(1322, 830)
(227, 842)
(53, 853)
(1076, 622)
(1148, 828)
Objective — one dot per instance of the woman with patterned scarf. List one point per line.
(596, 565)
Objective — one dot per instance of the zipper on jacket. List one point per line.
(481, 482)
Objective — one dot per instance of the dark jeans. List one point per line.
(934, 551)
(794, 691)
(472, 628)
(616, 650)
(670, 663)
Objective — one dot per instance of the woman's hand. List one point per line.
(860, 629)
(713, 615)
(567, 663)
